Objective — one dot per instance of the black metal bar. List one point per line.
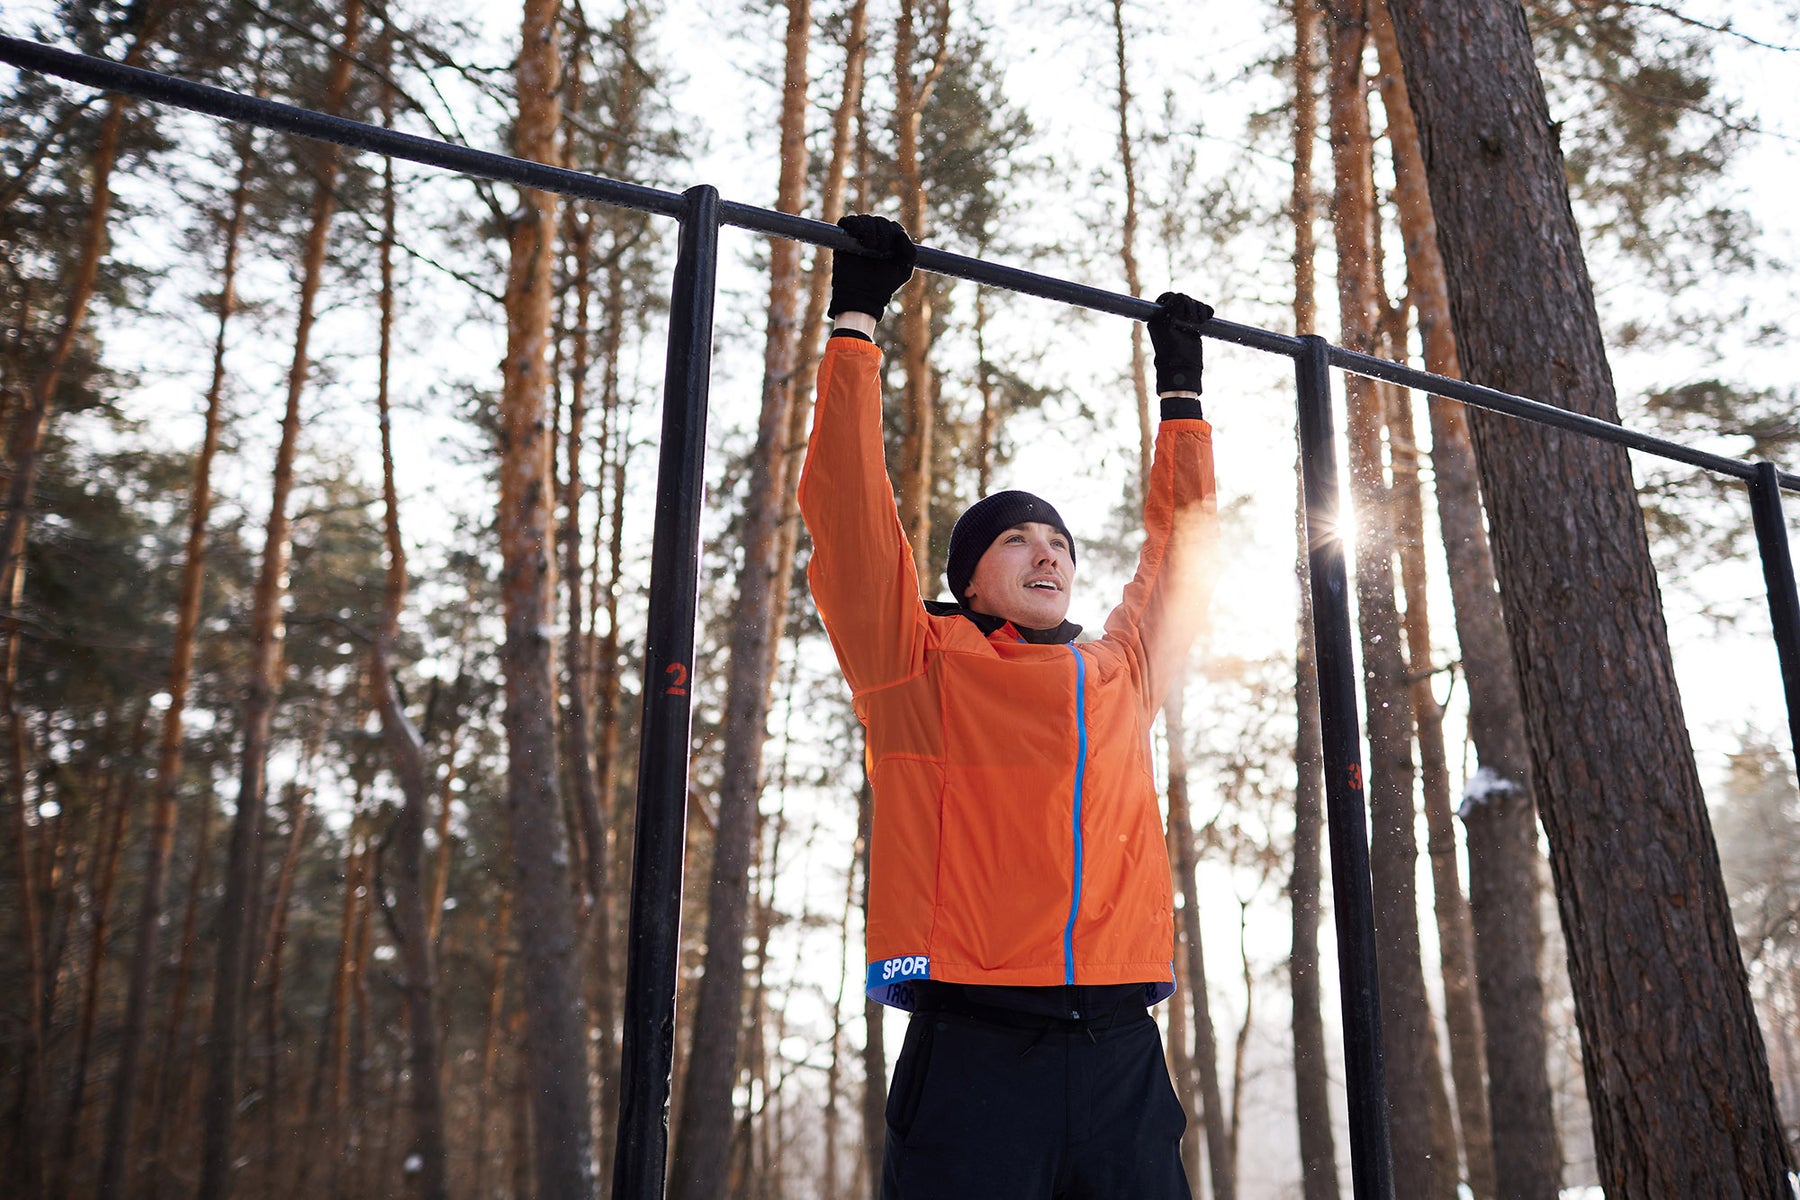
(1030, 283)
(1544, 414)
(653, 941)
(1778, 575)
(233, 106)
(1353, 896)
(268, 114)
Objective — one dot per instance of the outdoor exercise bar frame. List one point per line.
(649, 1033)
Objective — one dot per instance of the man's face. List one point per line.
(1025, 577)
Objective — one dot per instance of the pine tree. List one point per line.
(1631, 847)
(556, 1050)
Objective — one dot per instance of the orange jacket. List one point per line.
(1017, 839)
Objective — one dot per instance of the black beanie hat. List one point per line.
(987, 519)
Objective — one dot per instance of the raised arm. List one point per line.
(1165, 603)
(861, 573)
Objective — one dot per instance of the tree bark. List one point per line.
(490, 1038)
(1220, 1167)
(1179, 1051)
(874, 1098)
(556, 1045)
(267, 624)
(103, 888)
(1312, 1098)
(1468, 1070)
(331, 1065)
(578, 717)
(24, 451)
(834, 1086)
(406, 753)
(911, 91)
(1128, 251)
(174, 1075)
(116, 1149)
(812, 325)
(25, 446)
(1408, 1034)
(591, 805)
(1498, 810)
(33, 1089)
(701, 1159)
(609, 692)
(1676, 1072)
(1462, 1017)
(270, 962)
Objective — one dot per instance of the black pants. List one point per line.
(1017, 1106)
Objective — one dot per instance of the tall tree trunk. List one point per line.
(231, 980)
(609, 541)
(33, 1091)
(591, 806)
(113, 826)
(25, 446)
(116, 1149)
(1140, 387)
(359, 1058)
(1463, 1018)
(1179, 1050)
(1498, 810)
(25, 453)
(1221, 1169)
(609, 688)
(874, 1097)
(271, 959)
(1240, 1051)
(175, 1072)
(812, 325)
(1408, 1034)
(556, 1043)
(490, 1038)
(912, 89)
(1312, 1099)
(701, 1159)
(406, 752)
(324, 1098)
(1677, 1077)
(1204, 1064)
(834, 1076)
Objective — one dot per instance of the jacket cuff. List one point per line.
(1182, 408)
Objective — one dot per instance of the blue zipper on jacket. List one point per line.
(1080, 770)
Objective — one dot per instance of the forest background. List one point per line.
(283, 917)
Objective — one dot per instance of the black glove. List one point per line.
(865, 282)
(1172, 333)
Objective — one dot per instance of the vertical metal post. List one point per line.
(647, 1053)
(1353, 900)
(1778, 576)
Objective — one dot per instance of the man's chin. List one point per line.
(1038, 618)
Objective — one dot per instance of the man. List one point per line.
(1019, 897)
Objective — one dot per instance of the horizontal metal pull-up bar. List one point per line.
(501, 168)
(663, 763)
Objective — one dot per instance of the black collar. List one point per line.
(989, 624)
